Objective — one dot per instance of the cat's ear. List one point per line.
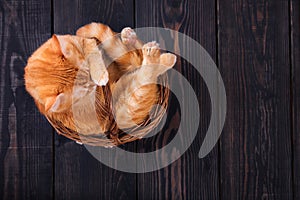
(56, 103)
(63, 43)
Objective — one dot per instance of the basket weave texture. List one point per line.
(114, 136)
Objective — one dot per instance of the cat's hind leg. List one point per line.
(135, 93)
(124, 49)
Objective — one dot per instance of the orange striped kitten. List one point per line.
(69, 72)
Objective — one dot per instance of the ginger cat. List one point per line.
(69, 75)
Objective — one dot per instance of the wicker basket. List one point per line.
(115, 136)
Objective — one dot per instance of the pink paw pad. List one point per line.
(151, 49)
(128, 36)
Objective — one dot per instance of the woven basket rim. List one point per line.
(115, 136)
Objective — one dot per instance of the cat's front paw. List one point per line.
(168, 60)
(151, 49)
(100, 77)
(128, 36)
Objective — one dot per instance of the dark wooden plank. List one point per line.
(188, 177)
(78, 175)
(254, 61)
(26, 137)
(295, 53)
(70, 15)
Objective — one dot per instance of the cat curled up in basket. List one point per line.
(68, 71)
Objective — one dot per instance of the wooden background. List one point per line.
(255, 44)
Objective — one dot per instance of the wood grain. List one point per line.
(256, 44)
(295, 55)
(254, 61)
(70, 15)
(78, 175)
(188, 177)
(26, 137)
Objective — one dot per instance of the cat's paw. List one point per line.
(100, 77)
(151, 49)
(128, 36)
(168, 59)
